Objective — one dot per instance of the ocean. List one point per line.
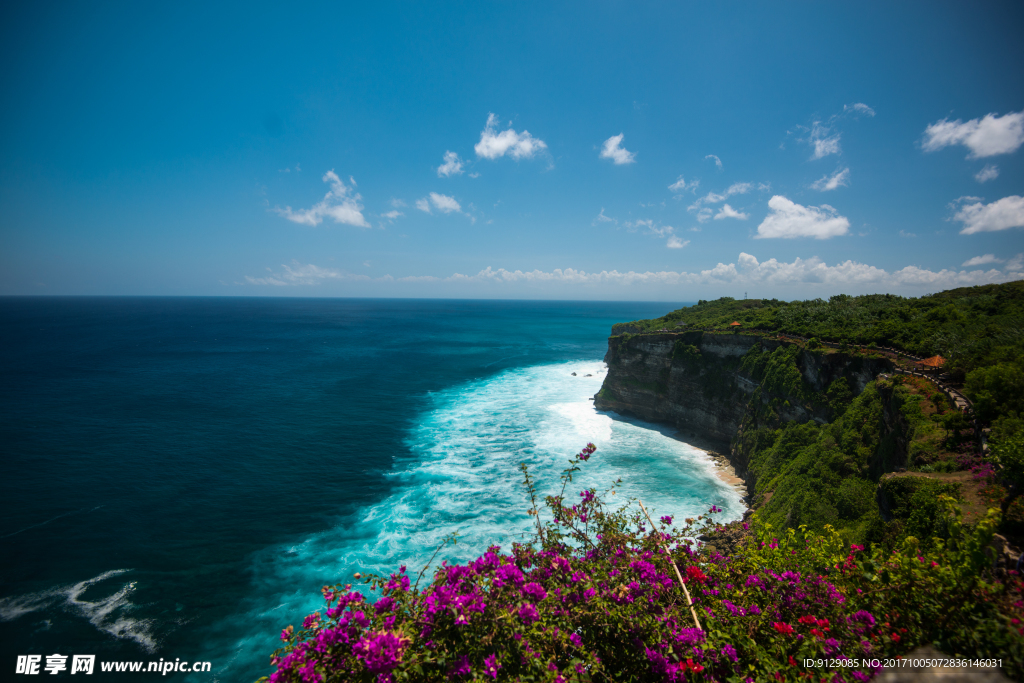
(180, 476)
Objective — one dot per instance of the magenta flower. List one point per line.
(385, 604)
(534, 592)
(509, 573)
(528, 614)
(666, 520)
(461, 667)
(576, 640)
(585, 454)
(491, 666)
(380, 652)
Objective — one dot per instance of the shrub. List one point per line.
(603, 594)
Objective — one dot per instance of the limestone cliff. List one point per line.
(712, 386)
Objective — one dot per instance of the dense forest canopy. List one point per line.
(979, 330)
(971, 326)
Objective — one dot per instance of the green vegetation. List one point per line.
(973, 327)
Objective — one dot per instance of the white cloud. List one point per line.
(676, 243)
(340, 204)
(738, 188)
(495, 145)
(985, 137)
(423, 205)
(982, 260)
(859, 108)
(728, 212)
(632, 226)
(704, 215)
(713, 198)
(789, 219)
(680, 185)
(990, 172)
(823, 141)
(840, 178)
(660, 231)
(392, 215)
(302, 275)
(1003, 214)
(614, 150)
(398, 203)
(718, 162)
(602, 218)
(452, 165)
(800, 273)
(444, 203)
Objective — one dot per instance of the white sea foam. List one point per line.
(110, 613)
(462, 474)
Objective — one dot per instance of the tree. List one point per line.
(956, 422)
(1008, 455)
(996, 390)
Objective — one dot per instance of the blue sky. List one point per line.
(600, 150)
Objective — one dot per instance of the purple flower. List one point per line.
(491, 666)
(461, 667)
(729, 652)
(397, 581)
(528, 614)
(862, 617)
(534, 592)
(380, 652)
(666, 520)
(576, 640)
(385, 604)
(509, 573)
(646, 570)
(733, 609)
(690, 636)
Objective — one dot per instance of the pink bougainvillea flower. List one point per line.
(491, 666)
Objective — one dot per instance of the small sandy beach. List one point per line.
(725, 471)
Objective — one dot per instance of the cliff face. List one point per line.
(649, 378)
(715, 386)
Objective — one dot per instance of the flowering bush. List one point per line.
(598, 595)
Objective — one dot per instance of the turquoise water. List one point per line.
(182, 475)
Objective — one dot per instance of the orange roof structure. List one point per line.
(934, 362)
(734, 324)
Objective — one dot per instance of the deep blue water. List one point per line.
(181, 475)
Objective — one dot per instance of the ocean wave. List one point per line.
(109, 614)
